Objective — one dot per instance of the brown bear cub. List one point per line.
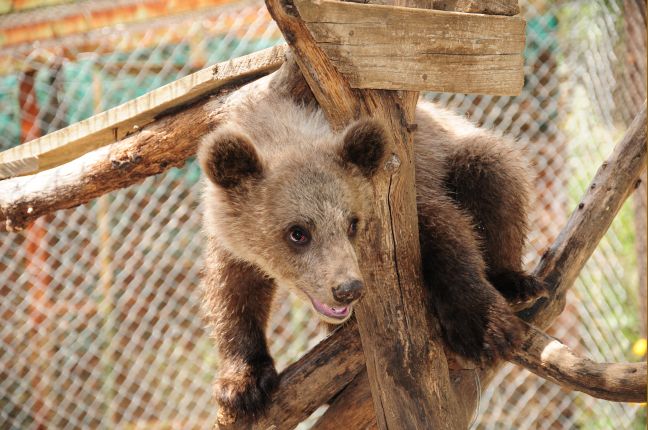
(286, 197)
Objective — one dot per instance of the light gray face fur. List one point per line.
(304, 184)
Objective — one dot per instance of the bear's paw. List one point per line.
(484, 334)
(243, 391)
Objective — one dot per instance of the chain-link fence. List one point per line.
(100, 305)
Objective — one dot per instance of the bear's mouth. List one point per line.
(340, 313)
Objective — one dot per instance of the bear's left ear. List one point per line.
(364, 145)
(228, 158)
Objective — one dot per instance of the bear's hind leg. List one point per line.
(475, 319)
(488, 178)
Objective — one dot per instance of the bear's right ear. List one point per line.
(364, 145)
(228, 158)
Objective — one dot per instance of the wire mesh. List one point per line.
(100, 305)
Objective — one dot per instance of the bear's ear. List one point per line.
(228, 158)
(364, 145)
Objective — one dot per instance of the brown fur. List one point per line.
(290, 171)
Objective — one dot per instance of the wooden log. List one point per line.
(614, 181)
(352, 406)
(114, 124)
(550, 359)
(166, 143)
(408, 372)
(540, 354)
(398, 48)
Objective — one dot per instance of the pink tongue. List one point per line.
(330, 311)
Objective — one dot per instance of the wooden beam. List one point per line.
(399, 48)
(352, 406)
(490, 7)
(163, 144)
(114, 124)
(614, 181)
(550, 359)
(406, 365)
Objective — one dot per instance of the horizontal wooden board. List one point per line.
(107, 127)
(400, 48)
(490, 7)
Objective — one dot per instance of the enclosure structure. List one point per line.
(131, 164)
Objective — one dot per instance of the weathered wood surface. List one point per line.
(353, 407)
(114, 124)
(166, 143)
(489, 7)
(400, 48)
(407, 371)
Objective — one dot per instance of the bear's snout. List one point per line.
(348, 291)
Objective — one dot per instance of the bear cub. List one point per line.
(285, 198)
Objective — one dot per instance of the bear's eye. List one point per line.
(353, 227)
(298, 235)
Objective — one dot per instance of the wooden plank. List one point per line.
(489, 7)
(563, 261)
(114, 124)
(398, 48)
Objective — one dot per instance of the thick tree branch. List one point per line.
(167, 142)
(550, 359)
(541, 354)
(615, 180)
(338, 102)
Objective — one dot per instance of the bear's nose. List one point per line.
(348, 291)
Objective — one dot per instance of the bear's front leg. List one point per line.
(237, 303)
(476, 321)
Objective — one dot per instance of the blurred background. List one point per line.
(99, 305)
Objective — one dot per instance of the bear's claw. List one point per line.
(483, 336)
(520, 289)
(244, 391)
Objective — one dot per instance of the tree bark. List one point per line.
(550, 359)
(165, 143)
